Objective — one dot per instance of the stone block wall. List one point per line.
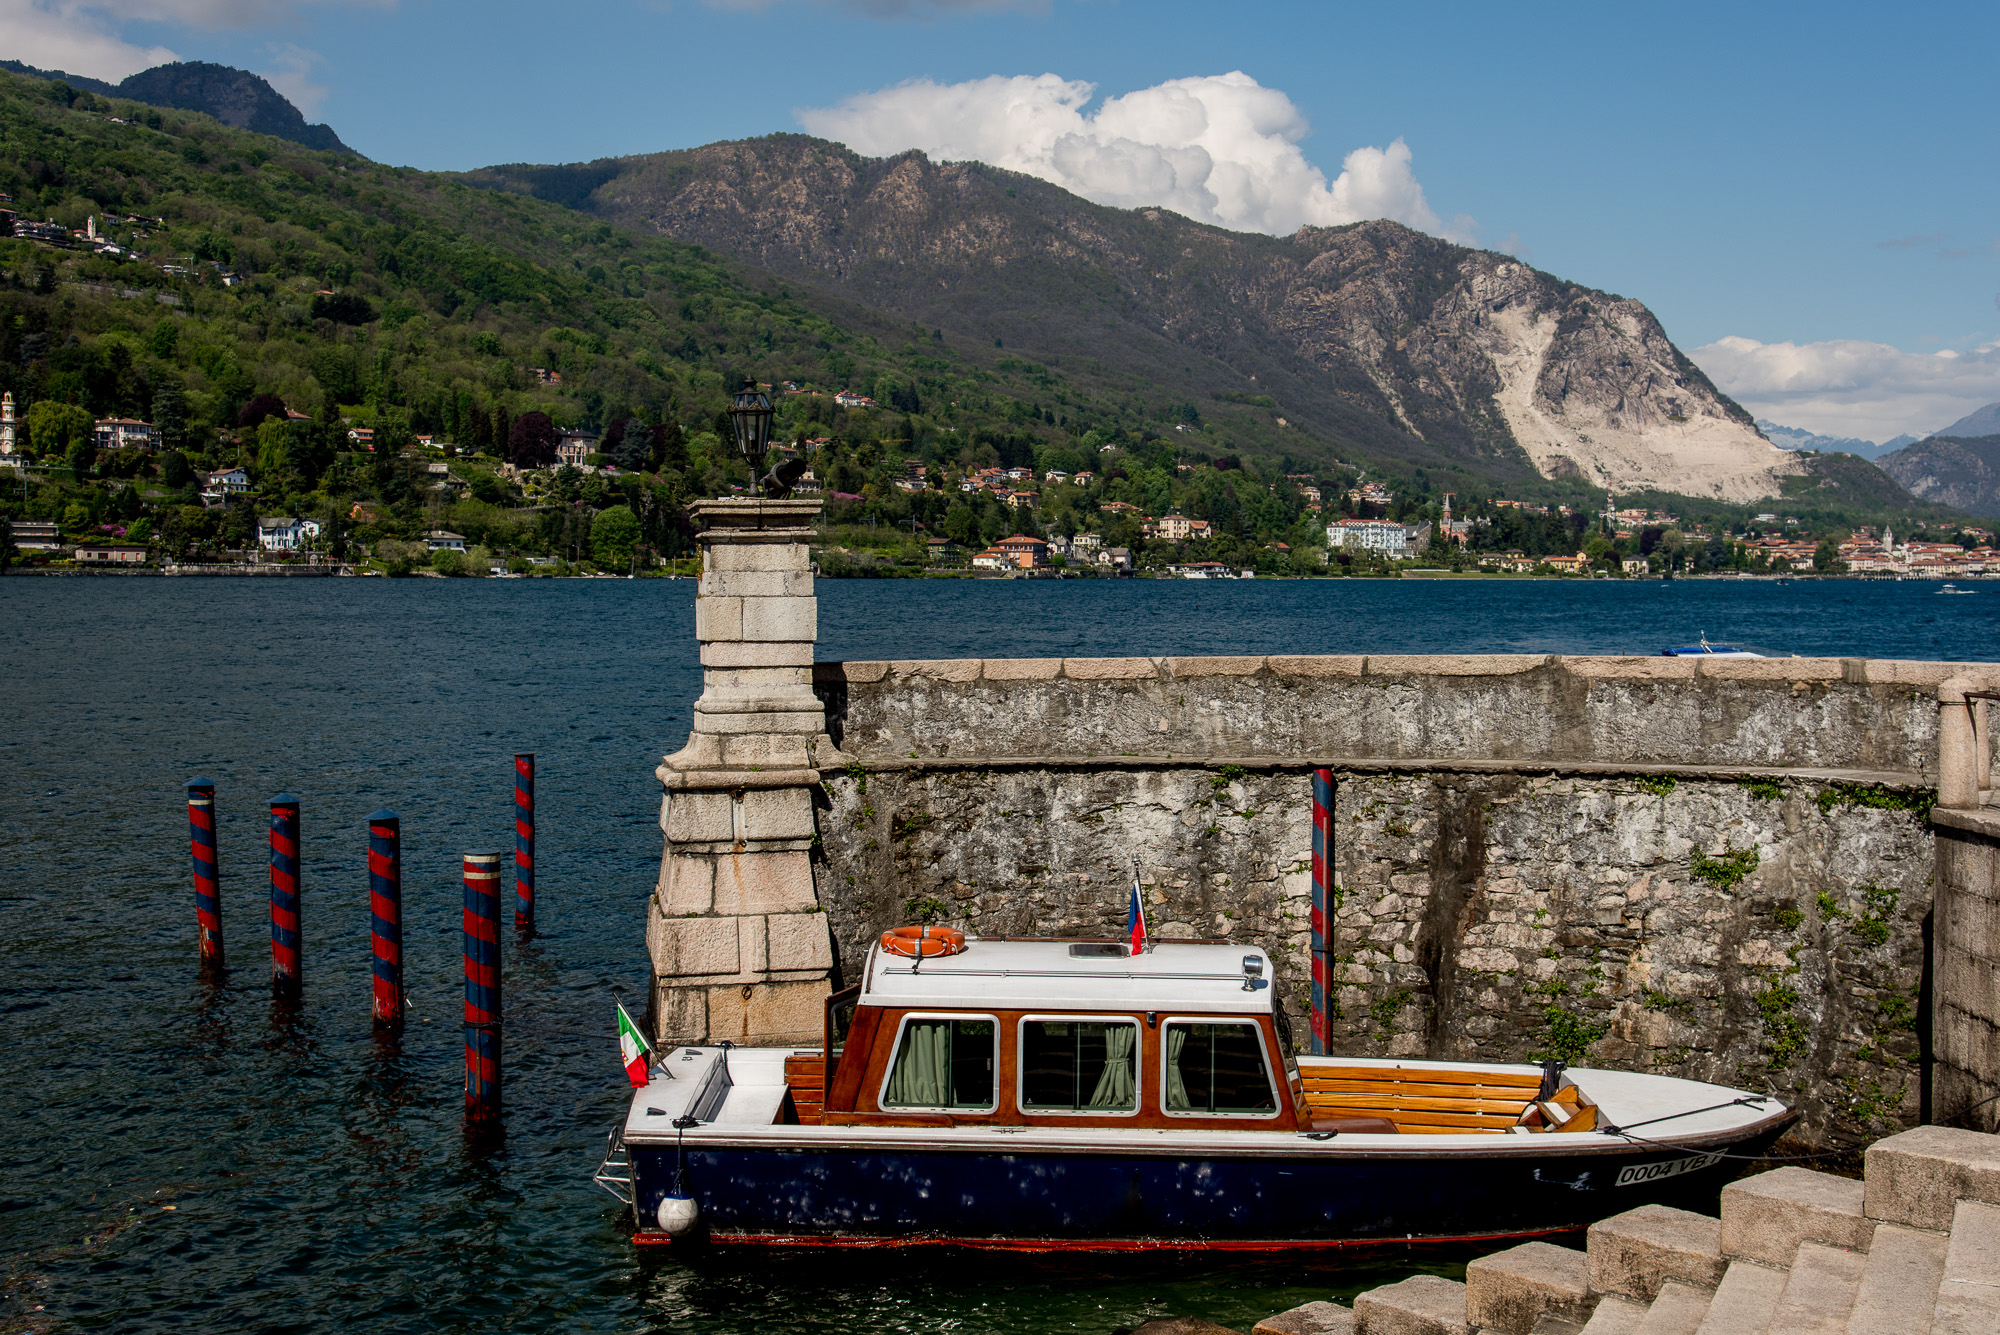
(1967, 955)
(1720, 870)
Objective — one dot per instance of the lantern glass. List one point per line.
(750, 414)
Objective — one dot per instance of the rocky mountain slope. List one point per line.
(1961, 473)
(1385, 341)
(1795, 438)
(1979, 422)
(234, 97)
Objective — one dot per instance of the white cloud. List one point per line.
(888, 10)
(1221, 149)
(86, 36)
(1847, 387)
(289, 76)
(49, 39)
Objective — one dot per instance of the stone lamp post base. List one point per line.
(739, 946)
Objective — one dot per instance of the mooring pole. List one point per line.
(524, 841)
(285, 897)
(1322, 900)
(385, 902)
(482, 986)
(207, 876)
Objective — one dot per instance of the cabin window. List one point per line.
(943, 1062)
(1216, 1069)
(1079, 1066)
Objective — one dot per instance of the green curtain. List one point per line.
(1177, 1095)
(923, 1067)
(1116, 1088)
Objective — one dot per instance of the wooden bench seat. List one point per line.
(1435, 1100)
(805, 1077)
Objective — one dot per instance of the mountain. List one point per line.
(1963, 473)
(234, 97)
(1388, 343)
(1793, 438)
(1982, 422)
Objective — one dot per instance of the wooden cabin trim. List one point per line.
(863, 1071)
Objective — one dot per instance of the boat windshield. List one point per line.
(1082, 1066)
(943, 1063)
(1217, 1068)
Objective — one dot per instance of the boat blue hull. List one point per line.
(1104, 1201)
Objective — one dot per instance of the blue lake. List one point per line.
(319, 1178)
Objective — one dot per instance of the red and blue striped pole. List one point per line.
(1322, 900)
(385, 904)
(285, 897)
(524, 841)
(482, 986)
(207, 876)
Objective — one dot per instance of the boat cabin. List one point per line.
(1184, 1035)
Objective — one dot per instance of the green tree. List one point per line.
(54, 429)
(1827, 560)
(613, 536)
(170, 414)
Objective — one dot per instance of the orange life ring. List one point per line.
(923, 942)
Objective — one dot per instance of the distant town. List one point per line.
(119, 496)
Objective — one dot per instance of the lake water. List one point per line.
(319, 1179)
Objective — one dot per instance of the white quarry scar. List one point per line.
(1618, 444)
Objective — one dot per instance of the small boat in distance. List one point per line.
(1705, 649)
(1953, 588)
(1047, 1095)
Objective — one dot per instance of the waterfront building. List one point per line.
(280, 533)
(1375, 535)
(442, 540)
(124, 433)
(1025, 552)
(111, 554)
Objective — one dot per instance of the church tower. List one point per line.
(7, 423)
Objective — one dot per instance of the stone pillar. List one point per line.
(1958, 738)
(740, 948)
(1965, 938)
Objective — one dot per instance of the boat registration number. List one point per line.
(1633, 1174)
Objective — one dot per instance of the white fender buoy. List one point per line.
(678, 1215)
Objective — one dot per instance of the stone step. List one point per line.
(1555, 1325)
(1634, 1252)
(1743, 1304)
(1511, 1291)
(1968, 1301)
(1899, 1286)
(1677, 1311)
(1766, 1217)
(1819, 1295)
(1918, 1177)
(1419, 1305)
(1617, 1315)
(1310, 1319)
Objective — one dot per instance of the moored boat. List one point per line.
(1047, 1095)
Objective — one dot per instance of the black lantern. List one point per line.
(750, 414)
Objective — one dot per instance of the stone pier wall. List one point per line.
(1715, 869)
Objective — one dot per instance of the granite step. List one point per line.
(1819, 1294)
(1320, 1318)
(1968, 1301)
(1766, 1217)
(1419, 1305)
(1918, 1177)
(1635, 1252)
(1510, 1291)
(1744, 1302)
(1899, 1286)
(1617, 1315)
(1677, 1311)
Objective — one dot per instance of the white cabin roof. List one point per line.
(1178, 976)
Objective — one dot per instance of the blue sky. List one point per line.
(1815, 184)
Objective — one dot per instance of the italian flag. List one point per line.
(632, 1048)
